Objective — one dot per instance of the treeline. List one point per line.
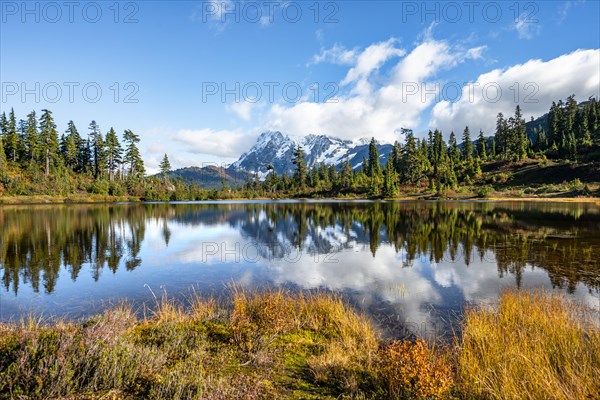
(35, 159)
(572, 132)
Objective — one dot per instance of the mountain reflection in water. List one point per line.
(413, 266)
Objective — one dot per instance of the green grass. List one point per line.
(277, 344)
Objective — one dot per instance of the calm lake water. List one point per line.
(413, 266)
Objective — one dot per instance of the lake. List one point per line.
(412, 266)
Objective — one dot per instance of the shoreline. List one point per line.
(102, 199)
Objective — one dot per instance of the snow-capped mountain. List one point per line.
(276, 148)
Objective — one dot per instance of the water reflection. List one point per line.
(413, 264)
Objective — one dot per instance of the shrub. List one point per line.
(484, 191)
(413, 370)
(100, 186)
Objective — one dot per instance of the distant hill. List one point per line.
(209, 177)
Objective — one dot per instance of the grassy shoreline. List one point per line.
(278, 344)
(98, 199)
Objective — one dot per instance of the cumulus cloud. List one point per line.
(371, 59)
(533, 85)
(380, 109)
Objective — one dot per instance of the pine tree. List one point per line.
(98, 152)
(517, 135)
(3, 124)
(390, 179)
(481, 146)
(11, 139)
(132, 155)
(374, 170)
(2, 155)
(467, 146)
(412, 165)
(48, 140)
(324, 174)
(314, 176)
(584, 136)
(501, 136)
(32, 138)
(453, 150)
(300, 163)
(165, 167)
(113, 153)
(71, 146)
(397, 156)
(346, 173)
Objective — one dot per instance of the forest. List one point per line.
(36, 160)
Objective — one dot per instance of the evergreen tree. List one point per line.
(346, 173)
(32, 138)
(412, 165)
(481, 146)
(390, 179)
(501, 136)
(517, 135)
(132, 155)
(467, 146)
(85, 154)
(113, 153)
(583, 134)
(324, 173)
(3, 130)
(2, 155)
(397, 156)
(300, 163)
(11, 139)
(453, 150)
(422, 157)
(3, 124)
(314, 176)
(48, 140)
(165, 167)
(98, 153)
(374, 169)
(333, 175)
(71, 147)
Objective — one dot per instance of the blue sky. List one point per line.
(162, 67)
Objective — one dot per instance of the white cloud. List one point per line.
(527, 26)
(338, 54)
(533, 85)
(371, 59)
(369, 109)
(223, 143)
(242, 109)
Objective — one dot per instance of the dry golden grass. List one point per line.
(533, 346)
(278, 344)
